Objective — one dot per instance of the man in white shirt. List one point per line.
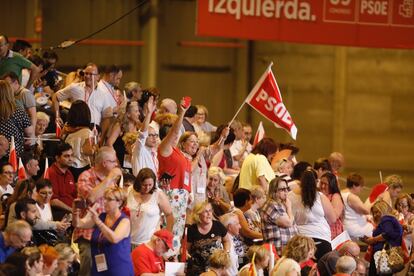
(108, 85)
(6, 179)
(144, 154)
(86, 91)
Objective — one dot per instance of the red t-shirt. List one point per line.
(178, 165)
(145, 261)
(63, 185)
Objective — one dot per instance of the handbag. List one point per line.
(389, 261)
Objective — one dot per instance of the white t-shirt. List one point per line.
(7, 190)
(310, 222)
(98, 101)
(45, 213)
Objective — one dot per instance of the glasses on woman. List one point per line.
(285, 189)
(107, 198)
(44, 193)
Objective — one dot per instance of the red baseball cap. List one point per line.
(166, 236)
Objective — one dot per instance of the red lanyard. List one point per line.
(111, 92)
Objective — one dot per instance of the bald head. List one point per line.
(349, 248)
(345, 264)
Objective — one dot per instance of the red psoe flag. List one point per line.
(13, 155)
(21, 173)
(260, 133)
(267, 100)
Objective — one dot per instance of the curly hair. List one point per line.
(298, 248)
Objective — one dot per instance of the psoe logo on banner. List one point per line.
(289, 9)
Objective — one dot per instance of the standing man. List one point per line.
(63, 182)
(107, 85)
(13, 62)
(91, 186)
(86, 91)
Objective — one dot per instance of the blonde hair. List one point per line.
(165, 119)
(383, 207)
(118, 193)
(7, 100)
(298, 248)
(42, 116)
(261, 253)
(203, 108)
(198, 209)
(185, 137)
(220, 259)
(257, 192)
(213, 171)
(65, 251)
(394, 181)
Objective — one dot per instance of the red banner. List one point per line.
(267, 100)
(366, 23)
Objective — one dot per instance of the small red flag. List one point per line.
(184, 247)
(46, 171)
(21, 173)
(260, 133)
(13, 155)
(58, 130)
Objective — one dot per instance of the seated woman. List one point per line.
(313, 212)
(299, 249)
(252, 215)
(50, 259)
(34, 260)
(243, 202)
(216, 192)
(278, 224)
(66, 259)
(204, 237)
(259, 256)
(111, 236)
(388, 230)
(355, 222)
(329, 187)
(219, 263)
(146, 203)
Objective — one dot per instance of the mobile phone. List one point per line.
(80, 203)
(166, 176)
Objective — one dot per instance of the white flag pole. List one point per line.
(380, 175)
(251, 92)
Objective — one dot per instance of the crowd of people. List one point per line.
(137, 181)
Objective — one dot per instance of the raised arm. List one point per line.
(149, 109)
(171, 140)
